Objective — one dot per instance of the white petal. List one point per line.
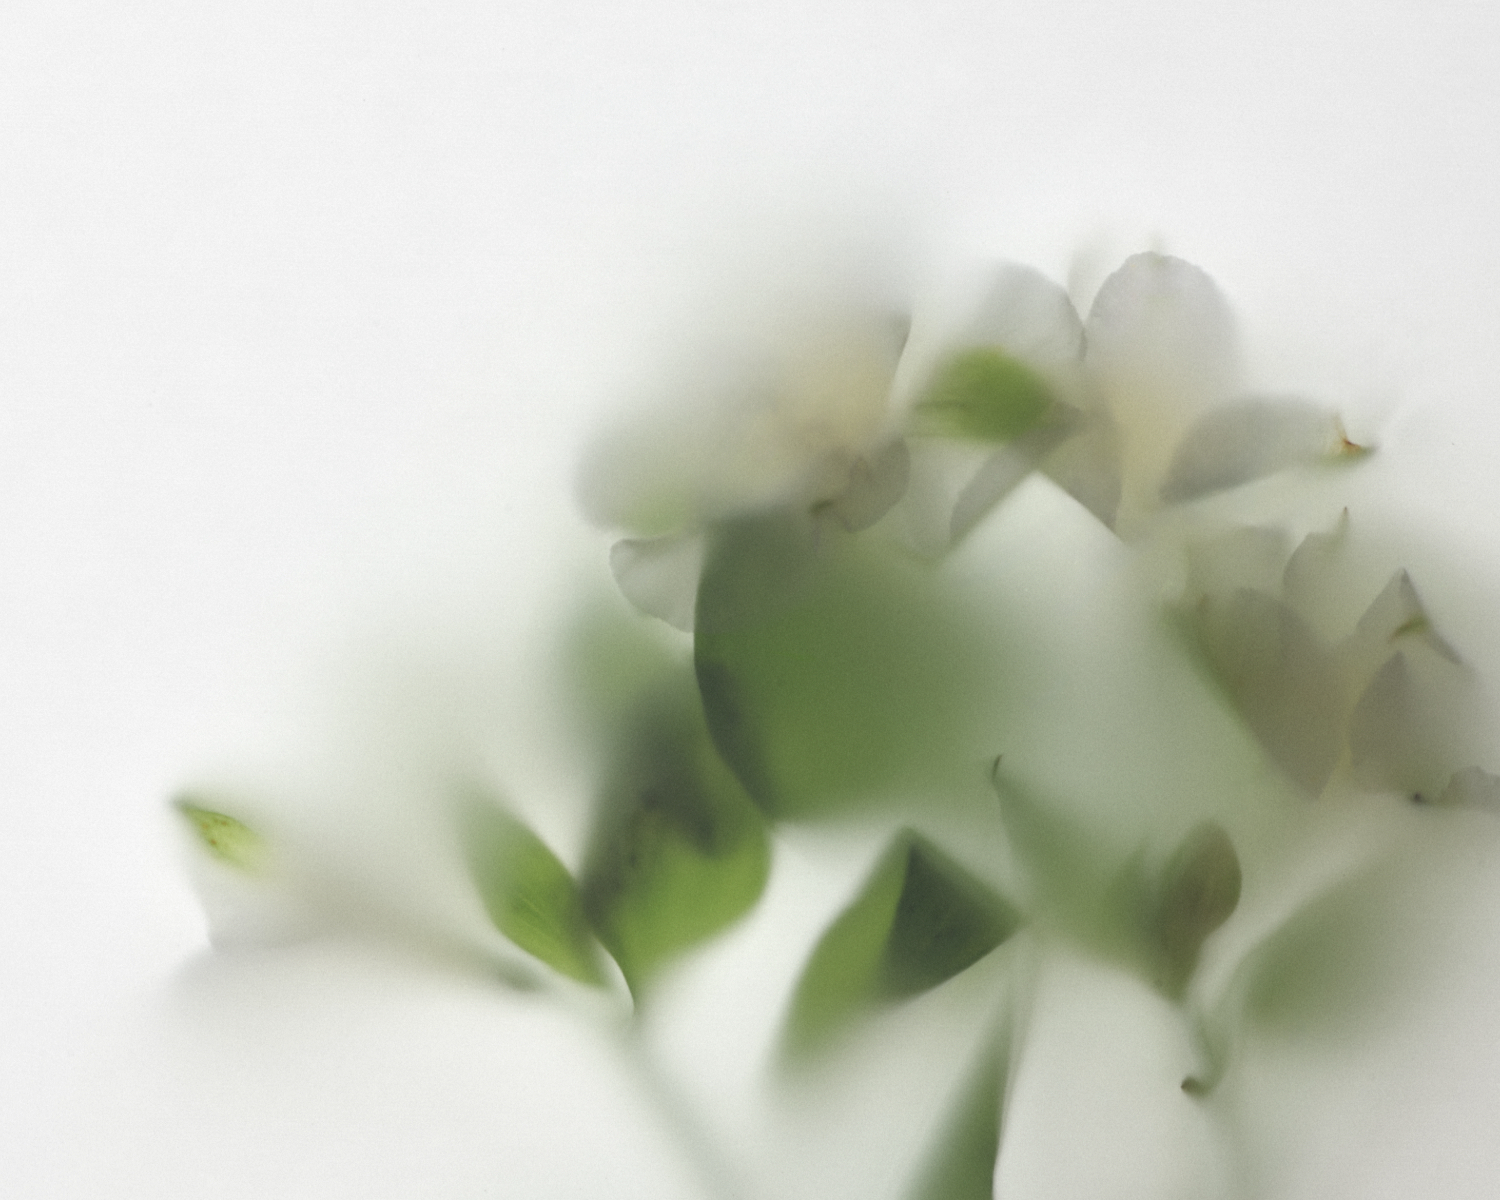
(1000, 475)
(1397, 614)
(875, 483)
(660, 576)
(1247, 439)
(1161, 349)
(748, 428)
(1087, 467)
(1032, 319)
(1248, 557)
(1405, 729)
(1309, 583)
(1283, 682)
(940, 470)
(1160, 324)
(1472, 788)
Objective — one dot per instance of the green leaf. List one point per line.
(919, 920)
(833, 673)
(840, 977)
(230, 841)
(1336, 964)
(983, 394)
(962, 1164)
(1153, 922)
(529, 894)
(945, 921)
(1200, 888)
(679, 850)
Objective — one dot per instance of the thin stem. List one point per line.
(713, 1166)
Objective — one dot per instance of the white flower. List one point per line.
(803, 419)
(1138, 408)
(1155, 410)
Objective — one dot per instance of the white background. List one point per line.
(305, 313)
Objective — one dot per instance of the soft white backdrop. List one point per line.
(305, 312)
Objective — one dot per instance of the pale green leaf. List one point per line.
(227, 839)
(1200, 887)
(679, 851)
(962, 1163)
(529, 894)
(982, 394)
(1332, 966)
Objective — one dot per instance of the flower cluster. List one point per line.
(801, 529)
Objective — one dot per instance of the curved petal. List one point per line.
(1087, 467)
(1408, 726)
(772, 426)
(1160, 349)
(1280, 678)
(1246, 440)
(660, 576)
(1032, 319)
(1472, 788)
(873, 485)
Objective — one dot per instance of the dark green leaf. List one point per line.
(679, 850)
(918, 920)
(528, 893)
(945, 921)
(984, 395)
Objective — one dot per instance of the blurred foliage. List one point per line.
(1153, 920)
(833, 674)
(528, 893)
(678, 851)
(984, 395)
(830, 673)
(961, 1165)
(918, 920)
